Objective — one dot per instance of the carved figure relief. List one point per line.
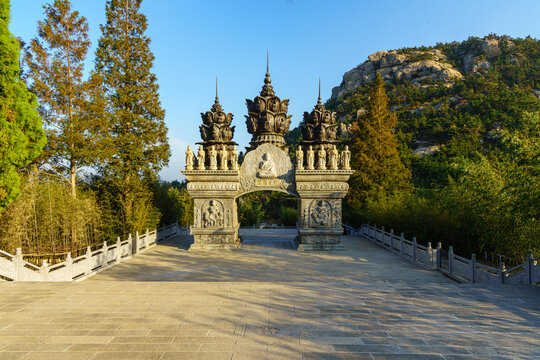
(310, 158)
(234, 159)
(346, 159)
(223, 156)
(321, 214)
(267, 168)
(189, 158)
(197, 218)
(200, 158)
(333, 158)
(212, 155)
(300, 158)
(321, 163)
(213, 214)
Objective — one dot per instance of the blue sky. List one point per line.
(194, 41)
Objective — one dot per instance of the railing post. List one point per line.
(88, 260)
(529, 267)
(118, 250)
(392, 239)
(451, 260)
(146, 238)
(18, 263)
(402, 240)
(136, 243)
(104, 255)
(414, 248)
(44, 270)
(429, 254)
(439, 253)
(473, 268)
(382, 235)
(69, 267)
(502, 271)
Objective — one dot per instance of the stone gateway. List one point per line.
(318, 176)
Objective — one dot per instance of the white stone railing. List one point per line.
(15, 268)
(456, 267)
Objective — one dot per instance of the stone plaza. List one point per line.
(265, 303)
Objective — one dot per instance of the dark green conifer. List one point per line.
(21, 133)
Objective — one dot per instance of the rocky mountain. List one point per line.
(444, 64)
(450, 98)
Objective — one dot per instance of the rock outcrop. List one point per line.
(419, 67)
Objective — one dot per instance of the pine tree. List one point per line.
(136, 120)
(56, 62)
(374, 149)
(21, 133)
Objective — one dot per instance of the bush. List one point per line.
(288, 216)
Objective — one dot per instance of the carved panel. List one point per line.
(320, 213)
(213, 186)
(323, 186)
(212, 214)
(267, 168)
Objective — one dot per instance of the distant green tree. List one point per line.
(375, 154)
(139, 146)
(21, 132)
(56, 62)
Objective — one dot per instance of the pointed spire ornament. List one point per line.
(320, 125)
(267, 118)
(216, 127)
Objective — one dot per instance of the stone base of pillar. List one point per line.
(320, 240)
(207, 239)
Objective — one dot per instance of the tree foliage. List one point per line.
(375, 154)
(139, 146)
(55, 59)
(21, 133)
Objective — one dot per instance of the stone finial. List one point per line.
(189, 158)
(267, 118)
(333, 158)
(200, 158)
(346, 159)
(310, 158)
(299, 158)
(224, 158)
(321, 161)
(320, 125)
(216, 127)
(212, 157)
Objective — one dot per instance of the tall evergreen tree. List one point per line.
(21, 133)
(374, 149)
(56, 62)
(136, 120)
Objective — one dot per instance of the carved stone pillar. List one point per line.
(321, 193)
(215, 214)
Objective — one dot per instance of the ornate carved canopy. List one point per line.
(216, 128)
(320, 125)
(267, 117)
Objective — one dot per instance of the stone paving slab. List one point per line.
(365, 303)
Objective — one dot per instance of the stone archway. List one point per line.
(318, 177)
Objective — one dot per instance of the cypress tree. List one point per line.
(56, 62)
(21, 133)
(374, 149)
(139, 145)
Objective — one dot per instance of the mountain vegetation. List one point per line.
(470, 141)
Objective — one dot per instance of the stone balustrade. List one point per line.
(457, 267)
(15, 268)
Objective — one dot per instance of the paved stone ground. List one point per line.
(263, 303)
